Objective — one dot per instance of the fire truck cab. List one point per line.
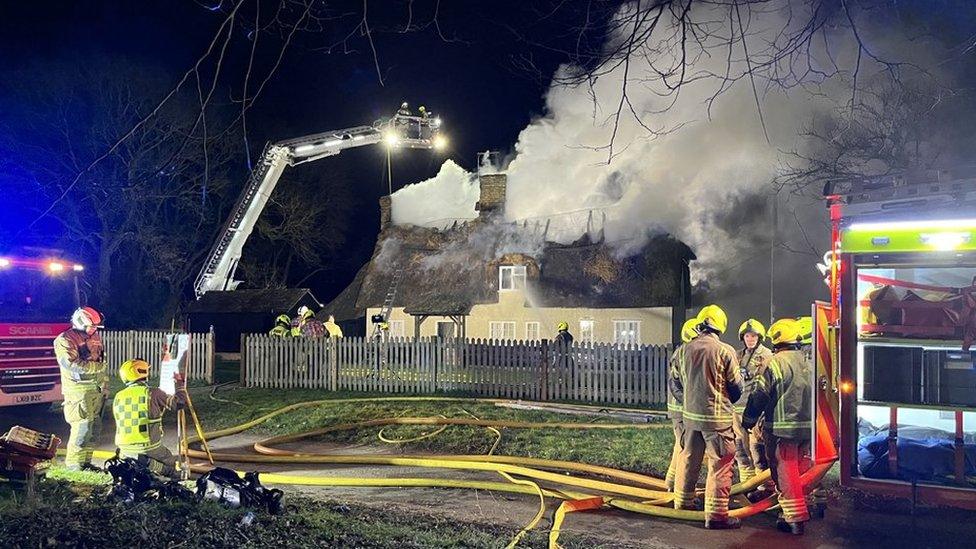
(38, 292)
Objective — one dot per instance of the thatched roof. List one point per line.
(448, 271)
(275, 300)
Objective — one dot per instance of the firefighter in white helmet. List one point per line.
(752, 361)
(84, 384)
(711, 382)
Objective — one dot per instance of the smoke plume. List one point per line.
(705, 174)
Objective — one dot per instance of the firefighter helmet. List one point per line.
(805, 326)
(283, 320)
(752, 326)
(562, 326)
(714, 317)
(785, 331)
(134, 370)
(85, 318)
(689, 330)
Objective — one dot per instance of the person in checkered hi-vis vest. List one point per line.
(138, 411)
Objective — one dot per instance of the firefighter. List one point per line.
(138, 411)
(84, 385)
(333, 329)
(563, 337)
(423, 112)
(282, 327)
(783, 394)
(752, 360)
(404, 109)
(689, 331)
(298, 323)
(711, 383)
(805, 327)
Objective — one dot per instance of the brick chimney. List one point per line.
(386, 211)
(492, 199)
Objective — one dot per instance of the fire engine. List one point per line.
(38, 292)
(896, 367)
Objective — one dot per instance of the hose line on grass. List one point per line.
(566, 480)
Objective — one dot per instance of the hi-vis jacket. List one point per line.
(81, 360)
(782, 392)
(751, 365)
(710, 383)
(138, 411)
(676, 368)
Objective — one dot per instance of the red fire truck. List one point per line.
(38, 292)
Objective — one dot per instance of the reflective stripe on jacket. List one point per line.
(782, 393)
(751, 365)
(710, 384)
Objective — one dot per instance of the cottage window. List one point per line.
(511, 277)
(587, 327)
(396, 328)
(501, 330)
(626, 332)
(532, 331)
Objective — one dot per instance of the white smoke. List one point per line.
(705, 178)
(449, 195)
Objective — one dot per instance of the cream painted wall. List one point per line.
(655, 322)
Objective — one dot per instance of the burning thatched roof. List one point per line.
(447, 271)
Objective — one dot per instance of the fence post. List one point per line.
(243, 365)
(545, 370)
(333, 363)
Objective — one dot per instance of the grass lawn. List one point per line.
(70, 510)
(642, 450)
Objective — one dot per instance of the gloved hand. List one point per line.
(179, 379)
(749, 422)
(95, 349)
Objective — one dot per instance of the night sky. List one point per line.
(467, 72)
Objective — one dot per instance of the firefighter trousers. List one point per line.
(788, 459)
(83, 412)
(748, 449)
(677, 425)
(717, 449)
(159, 460)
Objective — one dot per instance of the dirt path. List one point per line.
(847, 523)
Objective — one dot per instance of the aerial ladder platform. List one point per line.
(401, 131)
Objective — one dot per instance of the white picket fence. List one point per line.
(122, 346)
(534, 370)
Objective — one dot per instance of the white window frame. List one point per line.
(628, 325)
(506, 329)
(587, 330)
(533, 331)
(397, 328)
(516, 273)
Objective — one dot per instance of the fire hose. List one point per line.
(624, 490)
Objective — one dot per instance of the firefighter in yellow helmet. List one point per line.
(752, 360)
(282, 327)
(139, 410)
(84, 384)
(805, 327)
(689, 331)
(783, 394)
(563, 337)
(710, 384)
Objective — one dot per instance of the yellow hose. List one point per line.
(624, 490)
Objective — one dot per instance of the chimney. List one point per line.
(386, 211)
(492, 200)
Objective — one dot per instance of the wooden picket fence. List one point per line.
(532, 370)
(121, 346)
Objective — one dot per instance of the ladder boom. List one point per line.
(218, 270)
